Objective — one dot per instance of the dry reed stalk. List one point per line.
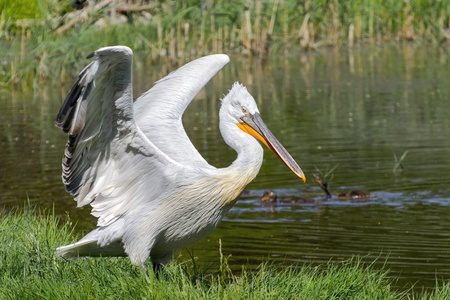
(195, 45)
(202, 32)
(43, 66)
(333, 32)
(388, 28)
(246, 31)
(285, 19)
(22, 42)
(172, 45)
(203, 49)
(257, 26)
(180, 45)
(226, 33)
(233, 37)
(180, 40)
(2, 24)
(312, 34)
(248, 23)
(407, 28)
(186, 32)
(303, 33)
(159, 31)
(273, 17)
(113, 16)
(336, 22)
(350, 35)
(164, 48)
(213, 34)
(219, 40)
(14, 76)
(265, 44)
(422, 30)
(358, 26)
(377, 29)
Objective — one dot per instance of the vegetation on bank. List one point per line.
(48, 37)
(28, 270)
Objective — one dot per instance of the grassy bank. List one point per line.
(56, 39)
(28, 270)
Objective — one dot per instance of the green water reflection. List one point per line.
(333, 107)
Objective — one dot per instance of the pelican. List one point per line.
(151, 190)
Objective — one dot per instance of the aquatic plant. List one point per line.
(181, 30)
(398, 166)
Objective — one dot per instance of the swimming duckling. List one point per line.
(356, 194)
(350, 195)
(270, 197)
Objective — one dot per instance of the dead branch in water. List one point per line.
(112, 6)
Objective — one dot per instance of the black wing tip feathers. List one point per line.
(65, 115)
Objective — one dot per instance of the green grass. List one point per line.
(28, 270)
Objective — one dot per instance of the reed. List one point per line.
(398, 166)
(183, 30)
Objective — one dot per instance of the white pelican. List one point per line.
(151, 190)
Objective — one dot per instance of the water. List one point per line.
(335, 108)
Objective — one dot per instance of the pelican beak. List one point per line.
(254, 125)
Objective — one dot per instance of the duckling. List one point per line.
(270, 197)
(350, 195)
(355, 194)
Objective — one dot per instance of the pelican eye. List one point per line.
(244, 110)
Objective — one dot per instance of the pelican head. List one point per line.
(239, 108)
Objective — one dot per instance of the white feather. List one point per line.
(151, 190)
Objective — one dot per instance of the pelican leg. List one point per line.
(144, 267)
(157, 268)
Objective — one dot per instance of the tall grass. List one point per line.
(28, 270)
(181, 30)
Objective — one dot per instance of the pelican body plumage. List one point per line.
(151, 190)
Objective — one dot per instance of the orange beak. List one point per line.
(255, 126)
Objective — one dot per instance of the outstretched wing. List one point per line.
(164, 104)
(108, 162)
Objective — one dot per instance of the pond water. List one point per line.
(348, 110)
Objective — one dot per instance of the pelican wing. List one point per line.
(108, 162)
(158, 111)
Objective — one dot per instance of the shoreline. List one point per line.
(180, 31)
(29, 270)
